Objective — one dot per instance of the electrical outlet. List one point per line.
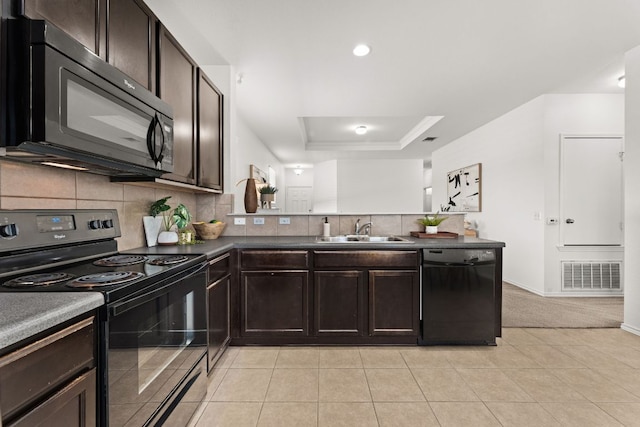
(285, 221)
(258, 221)
(239, 221)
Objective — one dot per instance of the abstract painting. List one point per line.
(463, 190)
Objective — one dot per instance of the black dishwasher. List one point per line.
(458, 296)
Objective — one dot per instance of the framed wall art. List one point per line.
(464, 191)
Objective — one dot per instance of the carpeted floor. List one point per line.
(521, 308)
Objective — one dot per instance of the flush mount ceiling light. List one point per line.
(361, 50)
(298, 170)
(621, 82)
(361, 130)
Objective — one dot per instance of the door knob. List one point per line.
(569, 221)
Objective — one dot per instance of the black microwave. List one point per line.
(67, 107)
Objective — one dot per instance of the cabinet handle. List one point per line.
(569, 221)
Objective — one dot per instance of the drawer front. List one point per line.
(30, 372)
(280, 260)
(366, 259)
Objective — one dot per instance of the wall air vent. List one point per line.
(591, 275)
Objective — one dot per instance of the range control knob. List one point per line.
(95, 224)
(107, 223)
(8, 231)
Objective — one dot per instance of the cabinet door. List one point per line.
(176, 86)
(218, 315)
(74, 405)
(339, 303)
(394, 302)
(81, 19)
(131, 40)
(274, 303)
(209, 137)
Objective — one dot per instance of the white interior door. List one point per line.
(591, 190)
(299, 199)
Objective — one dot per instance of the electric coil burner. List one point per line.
(121, 260)
(36, 280)
(104, 279)
(154, 317)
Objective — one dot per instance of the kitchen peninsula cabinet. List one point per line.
(274, 293)
(218, 307)
(43, 383)
(367, 293)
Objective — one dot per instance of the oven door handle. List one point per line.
(118, 309)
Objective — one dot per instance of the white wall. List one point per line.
(325, 187)
(520, 156)
(248, 150)
(511, 153)
(363, 181)
(578, 114)
(632, 196)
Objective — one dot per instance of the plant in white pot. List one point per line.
(267, 195)
(179, 217)
(431, 223)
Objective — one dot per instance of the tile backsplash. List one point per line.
(24, 186)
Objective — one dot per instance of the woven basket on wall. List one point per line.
(208, 231)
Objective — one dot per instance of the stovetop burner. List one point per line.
(168, 260)
(38, 280)
(120, 260)
(108, 278)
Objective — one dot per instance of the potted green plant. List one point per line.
(267, 195)
(431, 223)
(179, 217)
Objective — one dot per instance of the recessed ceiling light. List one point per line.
(361, 50)
(621, 82)
(361, 130)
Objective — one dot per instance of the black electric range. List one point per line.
(152, 328)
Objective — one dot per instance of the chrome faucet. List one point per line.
(364, 228)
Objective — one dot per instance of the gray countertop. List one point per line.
(211, 248)
(24, 314)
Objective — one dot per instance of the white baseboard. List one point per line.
(629, 328)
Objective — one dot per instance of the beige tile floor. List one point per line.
(534, 377)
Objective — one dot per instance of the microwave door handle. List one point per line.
(160, 155)
(152, 146)
(151, 138)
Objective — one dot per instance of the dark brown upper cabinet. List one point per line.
(131, 40)
(84, 20)
(176, 86)
(209, 134)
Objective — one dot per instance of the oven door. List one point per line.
(156, 352)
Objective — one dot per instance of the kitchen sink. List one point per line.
(354, 238)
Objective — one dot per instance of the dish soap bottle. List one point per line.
(326, 227)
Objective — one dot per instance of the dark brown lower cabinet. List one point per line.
(339, 303)
(74, 405)
(394, 302)
(274, 303)
(51, 381)
(218, 308)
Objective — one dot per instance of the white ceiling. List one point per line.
(302, 90)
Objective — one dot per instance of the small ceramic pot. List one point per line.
(431, 229)
(167, 238)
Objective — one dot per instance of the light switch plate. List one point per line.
(285, 221)
(239, 221)
(258, 221)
